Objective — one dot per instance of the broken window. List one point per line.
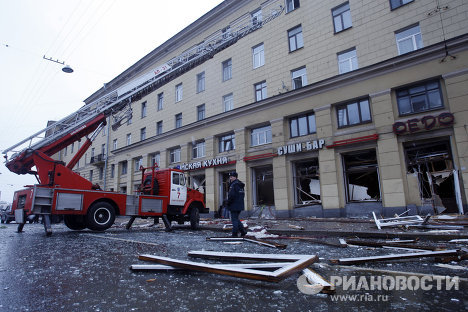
(307, 182)
(432, 166)
(263, 177)
(362, 177)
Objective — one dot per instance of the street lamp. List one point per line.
(66, 69)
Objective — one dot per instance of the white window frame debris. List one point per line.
(397, 221)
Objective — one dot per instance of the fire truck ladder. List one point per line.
(117, 103)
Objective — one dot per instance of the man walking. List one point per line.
(235, 203)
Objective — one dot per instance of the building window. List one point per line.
(129, 139)
(409, 39)
(299, 78)
(260, 136)
(291, 5)
(227, 143)
(419, 98)
(103, 150)
(341, 17)
(114, 144)
(201, 112)
(263, 192)
(129, 120)
(394, 4)
(302, 125)
(143, 110)
(155, 159)
(256, 16)
(160, 101)
(174, 155)
(112, 171)
(361, 176)
(296, 40)
(101, 173)
(178, 92)
(91, 176)
(227, 70)
(138, 163)
(258, 56)
(178, 120)
(73, 145)
(228, 102)
(260, 91)
(65, 151)
(201, 82)
(307, 182)
(123, 167)
(159, 127)
(353, 113)
(143, 134)
(347, 61)
(198, 150)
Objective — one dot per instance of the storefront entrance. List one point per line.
(430, 165)
(263, 192)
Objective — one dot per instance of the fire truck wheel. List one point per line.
(194, 218)
(101, 216)
(75, 223)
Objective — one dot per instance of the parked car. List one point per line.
(6, 214)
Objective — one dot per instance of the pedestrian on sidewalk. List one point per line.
(235, 203)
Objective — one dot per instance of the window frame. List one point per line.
(296, 119)
(201, 112)
(346, 105)
(260, 88)
(414, 40)
(336, 12)
(178, 120)
(138, 162)
(256, 133)
(160, 101)
(348, 60)
(399, 5)
(292, 5)
(198, 150)
(174, 155)
(303, 77)
(228, 102)
(124, 167)
(129, 139)
(293, 34)
(258, 56)
(143, 109)
(143, 134)
(159, 127)
(224, 140)
(201, 82)
(226, 72)
(179, 92)
(424, 84)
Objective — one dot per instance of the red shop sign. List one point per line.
(425, 123)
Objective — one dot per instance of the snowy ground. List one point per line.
(89, 271)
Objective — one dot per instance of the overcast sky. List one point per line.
(99, 39)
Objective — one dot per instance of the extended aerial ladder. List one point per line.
(117, 103)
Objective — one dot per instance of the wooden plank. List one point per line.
(451, 252)
(251, 240)
(368, 243)
(315, 278)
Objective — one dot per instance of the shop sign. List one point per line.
(299, 147)
(205, 163)
(427, 123)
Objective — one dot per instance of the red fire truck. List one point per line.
(162, 192)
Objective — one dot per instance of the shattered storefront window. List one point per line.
(307, 182)
(431, 166)
(264, 186)
(362, 177)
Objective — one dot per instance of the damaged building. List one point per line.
(322, 110)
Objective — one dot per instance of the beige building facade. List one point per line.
(328, 109)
